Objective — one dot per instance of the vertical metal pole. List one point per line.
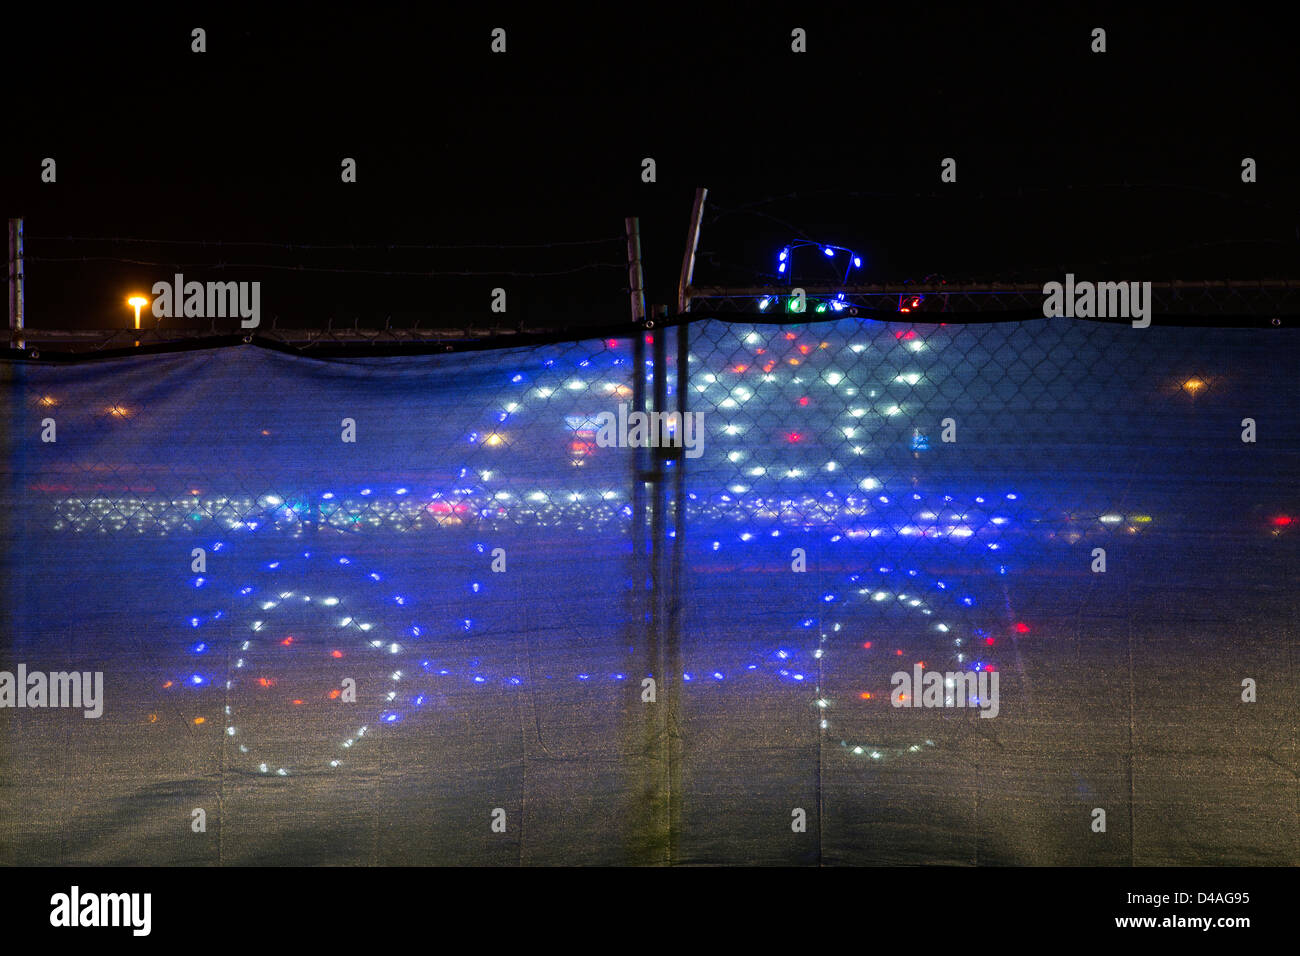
(16, 284)
(651, 779)
(688, 259)
(669, 682)
(636, 287)
(676, 596)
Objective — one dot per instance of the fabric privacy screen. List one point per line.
(421, 610)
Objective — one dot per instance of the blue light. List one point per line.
(717, 675)
(199, 648)
(419, 701)
(784, 253)
(273, 565)
(620, 677)
(781, 267)
(391, 718)
(857, 262)
(516, 681)
(784, 655)
(828, 598)
(584, 677)
(194, 622)
(198, 582)
(968, 601)
(374, 575)
(829, 251)
(444, 672)
(798, 676)
(763, 303)
(197, 679)
(686, 677)
(365, 491)
(1011, 497)
(478, 679)
(517, 379)
(402, 491)
(415, 630)
(247, 590)
(466, 624)
(475, 587)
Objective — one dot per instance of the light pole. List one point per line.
(139, 302)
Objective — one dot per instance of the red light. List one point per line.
(266, 681)
(336, 654)
(899, 653)
(740, 368)
(789, 335)
(867, 645)
(793, 437)
(287, 641)
(1281, 521)
(804, 401)
(649, 340)
(865, 696)
(989, 641)
(297, 702)
(611, 343)
(1022, 627)
(334, 694)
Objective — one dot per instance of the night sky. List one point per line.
(1125, 165)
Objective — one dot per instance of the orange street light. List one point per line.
(139, 302)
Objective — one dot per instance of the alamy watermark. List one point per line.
(1098, 300)
(209, 300)
(36, 689)
(650, 430)
(74, 908)
(952, 689)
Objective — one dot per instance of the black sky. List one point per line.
(1126, 164)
